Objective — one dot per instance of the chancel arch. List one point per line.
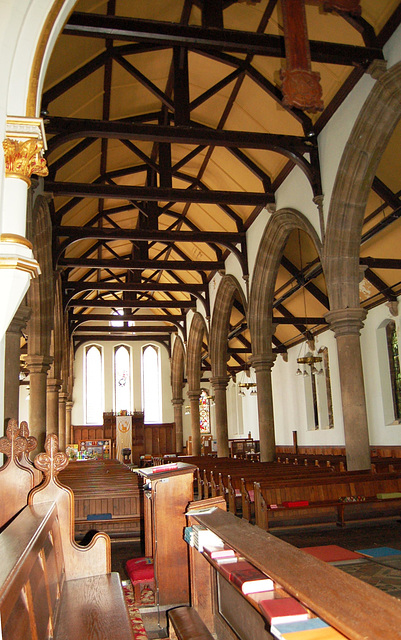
(268, 260)
(197, 346)
(229, 289)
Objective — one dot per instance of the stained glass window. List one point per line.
(93, 385)
(394, 362)
(204, 411)
(122, 379)
(151, 384)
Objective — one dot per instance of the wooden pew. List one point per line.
(18, 475)
(50, 587)
(354, 608)
(107, 497)
(324, 497)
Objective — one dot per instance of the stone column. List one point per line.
(38, 367)
(177, 404)
(68, 423)
(195, 422)
(219, 384)
(263, 364)
(347, 324)
(63, 437)
(12, 362)
(53, 388)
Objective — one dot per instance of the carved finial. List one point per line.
(53, 461)
(13, 444)
(31, 440)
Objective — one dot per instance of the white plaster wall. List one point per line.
(296, 193)
(380, 431)
(290, 409)
(253, 238)
(78, 410)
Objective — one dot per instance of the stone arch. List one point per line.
(194, 351)
(363, 151)
(226, 292)
(267, 263)
(177, 367)
(228, 287)
(41, 290)
(41, 322)
(177, 385)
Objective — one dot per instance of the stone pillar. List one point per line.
(53, 388)
(177, 404)
(38, 367)
(63, 437)
(219, 384)
(263, 364)
(12, 361)
(195, 422)
(68, 422)
(347, 324)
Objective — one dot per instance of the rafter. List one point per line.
(160, 33)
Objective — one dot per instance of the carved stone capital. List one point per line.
(177, 401)
(53, 384)
(194, 395)
(345, 322)
(392, 305)
(38, 364)
(263, 361)
(220, 382)
(23, 148)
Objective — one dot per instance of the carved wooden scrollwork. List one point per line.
(13, 444)
(53, 461)
(31, 440)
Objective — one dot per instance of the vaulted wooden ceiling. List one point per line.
(167, 136)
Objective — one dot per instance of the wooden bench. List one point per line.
(324, 497)
(106, 496)
(50, 587)
(187, 625)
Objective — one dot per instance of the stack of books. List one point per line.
(310, 629)
(199, 536)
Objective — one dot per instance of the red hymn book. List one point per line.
(283, 610)
(247, 577)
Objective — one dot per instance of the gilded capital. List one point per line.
(23, 148)
(23, 158)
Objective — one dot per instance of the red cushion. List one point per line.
(140, 569)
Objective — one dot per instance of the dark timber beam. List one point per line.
(381, 263)
(158, 194)
(70, 128)
(140, 265)
(78, 319)
(133, 304)
(162, 33)
(131, 286)
(109, 329)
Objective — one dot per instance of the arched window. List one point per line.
(151, 386)
(93, 385)
(204, 411)
(122, 379)
(394, 363)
